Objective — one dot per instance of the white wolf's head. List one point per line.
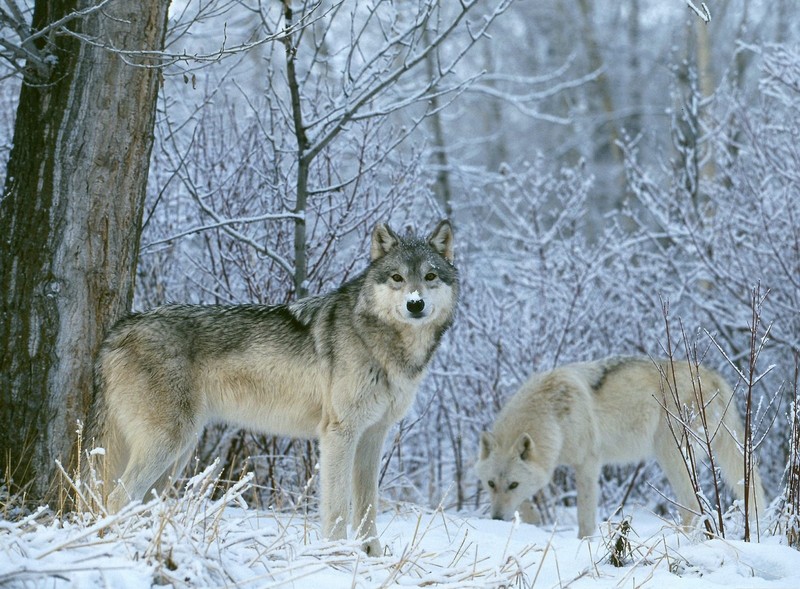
(413, 281)
(510, 475)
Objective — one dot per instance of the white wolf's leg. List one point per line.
(586, 480)
(365, 485)
(337, 446)
(670, 459)
(730, 459)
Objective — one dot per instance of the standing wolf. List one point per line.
(342, 367)
(589, 414)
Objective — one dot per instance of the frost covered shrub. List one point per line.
(715, 222)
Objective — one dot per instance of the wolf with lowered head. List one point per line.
(341, 367)
(612, 411)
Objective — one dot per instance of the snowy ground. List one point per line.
(201, 542)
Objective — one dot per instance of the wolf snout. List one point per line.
(415, 306)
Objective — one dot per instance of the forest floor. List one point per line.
(204, 541)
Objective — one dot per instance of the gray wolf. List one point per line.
(342, 367)
(612, 411)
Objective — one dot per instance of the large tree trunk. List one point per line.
(602, 82)
(70, 221)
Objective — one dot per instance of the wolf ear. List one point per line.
(442, 240)
(524, 447)
(488, 444)
(383, 240)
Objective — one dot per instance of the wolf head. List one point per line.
(510, 475)
(413, 281)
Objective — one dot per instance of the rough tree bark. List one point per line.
(595, 58)
(70, 220)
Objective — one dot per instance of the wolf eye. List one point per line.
(490, 484)
(430, 276)
(513, 486)
(397, 278)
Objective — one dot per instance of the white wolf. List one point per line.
(589, 414)
(342, 367)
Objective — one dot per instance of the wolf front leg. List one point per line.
(586, 480)
(529, 513)
(365, 485)
(337, 445)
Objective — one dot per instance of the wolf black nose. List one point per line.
(415, 306)
(497, 517)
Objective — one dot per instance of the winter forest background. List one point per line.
(623, 178)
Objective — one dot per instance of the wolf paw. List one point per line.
(372, 547)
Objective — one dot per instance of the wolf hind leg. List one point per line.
(104, 468)
(671, 461)
(730, 460)
(174, 471)
(148, 464)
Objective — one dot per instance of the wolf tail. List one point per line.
(728, 450)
